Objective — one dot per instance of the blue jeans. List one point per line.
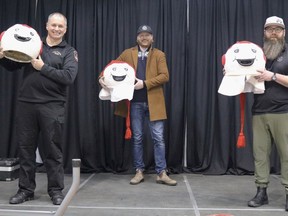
(139, 111)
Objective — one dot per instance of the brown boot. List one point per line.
(138, 178)
(162, 178)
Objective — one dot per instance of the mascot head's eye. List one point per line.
(32, 34)
(126, 69)
(114, 68)
(236, 51)
(254, 50)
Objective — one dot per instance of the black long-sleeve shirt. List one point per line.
(51, 83)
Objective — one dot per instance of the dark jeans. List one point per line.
(140, 112)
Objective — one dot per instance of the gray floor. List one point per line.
(109, 194)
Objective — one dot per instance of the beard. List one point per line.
(272, 48)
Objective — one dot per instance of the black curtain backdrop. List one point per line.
(11, 12)
(202, 126)
(213, 120)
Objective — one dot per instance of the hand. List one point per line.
(102, 82)
(139, 84)
(37, 63)
(1, 53)
(264, 75)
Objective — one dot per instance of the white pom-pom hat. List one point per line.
(240, 65)
(21, 43)
(119, 77)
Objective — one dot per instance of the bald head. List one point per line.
(59, 15)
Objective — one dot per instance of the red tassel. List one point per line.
(241, 137)
(241, 141)
(128, 133)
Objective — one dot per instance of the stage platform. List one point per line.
(108, 194)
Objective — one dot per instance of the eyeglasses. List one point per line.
(277, 30)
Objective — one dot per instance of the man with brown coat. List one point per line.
(148, 103)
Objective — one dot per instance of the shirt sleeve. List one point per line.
(68, 73)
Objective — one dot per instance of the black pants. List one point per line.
(48, 119)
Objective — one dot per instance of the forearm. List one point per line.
(282, 79)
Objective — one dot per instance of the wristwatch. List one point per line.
(274, 78)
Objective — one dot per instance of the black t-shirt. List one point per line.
(275, 97)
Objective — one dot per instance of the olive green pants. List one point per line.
(269, 129)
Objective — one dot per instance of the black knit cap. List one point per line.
(144, 28)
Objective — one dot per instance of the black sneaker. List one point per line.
(57, 199)
(21, 197)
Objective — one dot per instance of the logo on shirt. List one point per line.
(280, 59)
(76, 55)
(56, 53)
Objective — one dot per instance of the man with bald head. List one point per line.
(41, 108)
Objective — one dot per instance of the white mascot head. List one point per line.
(241, 62)
(21, 43)
(119, 77)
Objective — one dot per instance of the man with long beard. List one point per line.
(270, 111)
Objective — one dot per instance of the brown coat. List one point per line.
(156, 75)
